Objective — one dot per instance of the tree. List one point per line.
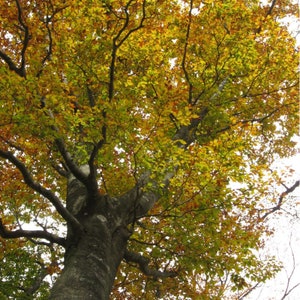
(130, 123)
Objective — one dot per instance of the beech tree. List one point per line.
(136, 145)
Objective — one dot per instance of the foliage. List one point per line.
(113, 82)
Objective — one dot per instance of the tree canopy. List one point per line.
(171, 111)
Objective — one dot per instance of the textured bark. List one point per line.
(94, 253)
(92, 262)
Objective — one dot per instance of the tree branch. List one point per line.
(143, 263)
(143, 201)
(127, 21)
(92, 177)
(50, 46)
(11, 64)
(271, 8)
(86, 177)
(29, 181)
(288, 288)
(85, 174)
(47, 20)
(183, 62)
(116, 45)
(37, 282)
(269, 12)
(41, 234)
(187, 133)
(72, 166)
(281, 197)
(25, 40)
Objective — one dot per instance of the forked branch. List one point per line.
(8, 60)
(281, 198)
(29, 181)
(118, 41)
(290, 288)
(40, 234)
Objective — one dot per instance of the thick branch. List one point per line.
(41, 234)
(61, 171)
(50, 46)
(12, 66)
(10, 63)
(183, 63)
(25, 40)
(143, 263)
(72, 166)
(87, 177)
(41, 190)
(92, 177)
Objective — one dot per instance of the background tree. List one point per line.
(130, 123)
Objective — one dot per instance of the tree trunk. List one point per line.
(92, 256)
(91, 264)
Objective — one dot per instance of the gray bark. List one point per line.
(91, 264)
(92, 255)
